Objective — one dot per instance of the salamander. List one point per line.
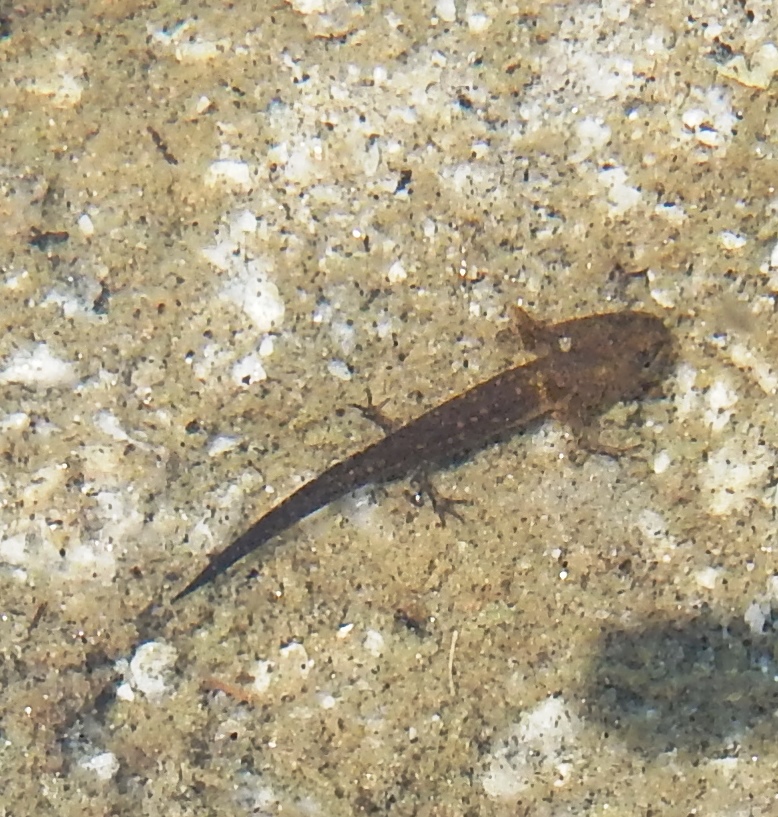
(582, 367)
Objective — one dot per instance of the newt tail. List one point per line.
(340, 479)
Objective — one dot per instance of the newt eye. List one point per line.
(646, 358)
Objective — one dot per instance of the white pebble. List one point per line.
(16, 421)
(151, 668)
(248, 370)
(294, 660)
(85, 225)
(251, 290)
(339, 369)
(397, 273)
(374, 642)
(327, 701)
(756, 617)
(446, 10)
(246, 222)
(229, 171)
(662, 462)
(222, 444)
(732, 241)
(105, 765)
(308, 6)
(263, 675)
(706, 577)
(478, 23)
(38, 367)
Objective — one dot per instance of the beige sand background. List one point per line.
(219, 224)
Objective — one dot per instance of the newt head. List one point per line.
(605, 359)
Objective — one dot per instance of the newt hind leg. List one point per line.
(420, 483)
(444, 506)
(374, 413)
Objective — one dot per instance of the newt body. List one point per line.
(584, 366)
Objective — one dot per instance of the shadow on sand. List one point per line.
(696, 685)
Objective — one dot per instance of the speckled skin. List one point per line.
(584, 366)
